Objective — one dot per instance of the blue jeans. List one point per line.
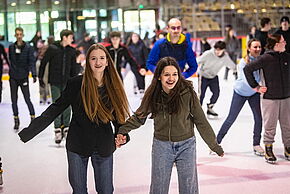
(164, 155)
(237, 104)
(103, 173)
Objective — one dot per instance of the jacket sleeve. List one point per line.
(44, 61)
(48, 116)
(75, 67)
(128, 57)
(117, 126)
(228, 61)
(250, 68)
(133, 122)
(4, 54)
(203, 126)
(32, 60)
(191, 61)
(153, 57)
(144, 55)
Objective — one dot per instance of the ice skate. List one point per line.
(1, 172)
(16, 123)
(269, 155)
(58, 135)
(287, 153)
(211, 114)
(258, 150)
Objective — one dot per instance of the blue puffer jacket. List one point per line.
(181, 51)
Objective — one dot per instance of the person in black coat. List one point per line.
(4, 55)
(22, 61)
(97, 99)
(61, 57)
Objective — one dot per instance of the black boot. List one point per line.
(269, 155)
(16, 122)
(210, 111)
(287, 153)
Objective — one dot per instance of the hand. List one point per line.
(34, 79)
(120, 140)
(142, 71)
(261, 89)
(41, 83)
(123, 69)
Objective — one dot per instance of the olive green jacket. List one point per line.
(180, 126)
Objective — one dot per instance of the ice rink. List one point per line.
(40, 166)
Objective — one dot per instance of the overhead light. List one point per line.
(240, 11)
(13, 4)
(56, 2)
(28, 2)
(255, 10)
(264, 10)
(80, 17)
(232, 6)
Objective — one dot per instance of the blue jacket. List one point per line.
(21, 63)
(241, 86)
(181, 51)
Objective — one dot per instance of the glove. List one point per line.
(41, 83)
(34, 79)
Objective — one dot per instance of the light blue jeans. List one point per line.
(103, 172)
(164, 155)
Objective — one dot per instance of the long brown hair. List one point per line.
(93, 105)
(153, 95)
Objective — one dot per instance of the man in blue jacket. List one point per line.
(22, 61)
(176, 46)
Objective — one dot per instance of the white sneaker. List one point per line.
(58, 135)
(258, 150)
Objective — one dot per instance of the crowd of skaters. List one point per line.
(262, 79)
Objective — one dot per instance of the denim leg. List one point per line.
(236, 106)
(162, 163)
(55, 94)
(77, 172)
(186, 166)
(214, 87)
(254, 102)
(103, 172)
(14, 95)
(24, 85)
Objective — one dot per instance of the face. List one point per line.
(68, 39)
(174, 28)
(280, 46)
(98, 61)
(231, 33)
(135, 38)
(285, 25)
(19, 35)
(115, 40)
(219, 52)
(168, 78)
(255, 48)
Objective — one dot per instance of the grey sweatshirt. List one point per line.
(210, 64)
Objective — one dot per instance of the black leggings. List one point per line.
(24, 85)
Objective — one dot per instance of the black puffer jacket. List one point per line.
(276, 71)
(62, 64)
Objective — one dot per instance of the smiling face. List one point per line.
(168, 78)
(98, 62)
(255, 48)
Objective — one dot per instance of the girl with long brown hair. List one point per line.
(97, 99)
(175, 108)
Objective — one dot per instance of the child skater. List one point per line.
(175, 108)
(97, 99)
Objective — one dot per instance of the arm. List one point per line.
(128, 57)
(228, 61)
(75, 67)
(249, 69)
(40, 123)
(4, 54)
(203, 126)
(44, 61)
(32, 61)
(191, 61)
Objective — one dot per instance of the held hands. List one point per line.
(261, 89)
(120, 140)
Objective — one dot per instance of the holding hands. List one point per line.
(120, 140)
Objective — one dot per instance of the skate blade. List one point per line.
(212, 117)
(271, 162)
(258, 153)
